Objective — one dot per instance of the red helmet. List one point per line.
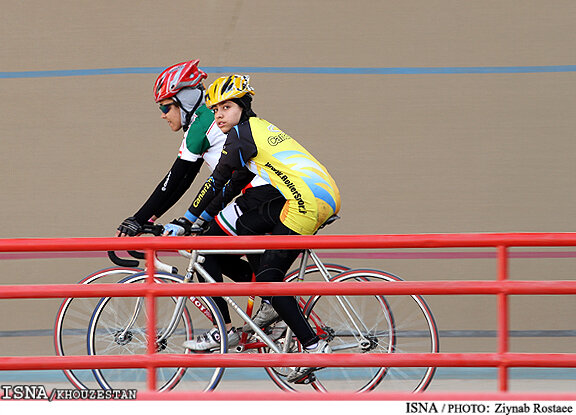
(176, 77)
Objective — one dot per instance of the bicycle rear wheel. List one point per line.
(118, 327)
(373, 324)
(73, 319)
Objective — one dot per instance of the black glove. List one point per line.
(130, 227)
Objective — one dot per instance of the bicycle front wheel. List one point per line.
(118, 327)
(73, 319)
(373, 324)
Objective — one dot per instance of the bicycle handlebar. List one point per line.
(158, 230)
(137, 254)
(121, 262)
(151, 229)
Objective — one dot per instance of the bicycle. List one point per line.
(355, 324)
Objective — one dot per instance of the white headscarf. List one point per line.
(190, 99)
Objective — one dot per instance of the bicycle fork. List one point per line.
(176, 314)
(124, 335)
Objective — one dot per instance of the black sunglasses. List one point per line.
(165, 108)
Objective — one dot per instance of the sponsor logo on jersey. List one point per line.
(207, 186)
(165, 185)
(291, 186)
(277, 139)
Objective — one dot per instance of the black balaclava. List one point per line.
(246, 103)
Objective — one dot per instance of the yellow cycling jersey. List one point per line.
(311, 193)
(259, 147)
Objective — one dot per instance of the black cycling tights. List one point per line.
(273, 265)
(233, 266)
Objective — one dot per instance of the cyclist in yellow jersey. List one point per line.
(309, 196)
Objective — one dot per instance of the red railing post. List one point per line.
(151, 314)
(503, 319)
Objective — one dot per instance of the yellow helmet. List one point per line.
(228, 87)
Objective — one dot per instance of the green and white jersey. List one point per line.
(203, 139)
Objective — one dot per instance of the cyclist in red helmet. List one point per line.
(180, 93)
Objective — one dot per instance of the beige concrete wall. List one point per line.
(411, 153)
(415, 153)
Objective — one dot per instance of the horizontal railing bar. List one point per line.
(306, 288)
(291, 242)
(352, 396)
(547, 360)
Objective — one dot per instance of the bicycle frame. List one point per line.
(194, 266)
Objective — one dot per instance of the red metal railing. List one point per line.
(502, 288)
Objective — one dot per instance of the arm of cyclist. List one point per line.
(196, 215)
(239, 181)
(230, 160)
(231, 172)
(181, 185)
(227, 180)
(166, 194)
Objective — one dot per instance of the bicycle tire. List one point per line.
(110, 317)
(405, 323)
(72, 320)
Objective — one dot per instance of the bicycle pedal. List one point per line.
(306, 380)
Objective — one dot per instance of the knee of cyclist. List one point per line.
(270, 275)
